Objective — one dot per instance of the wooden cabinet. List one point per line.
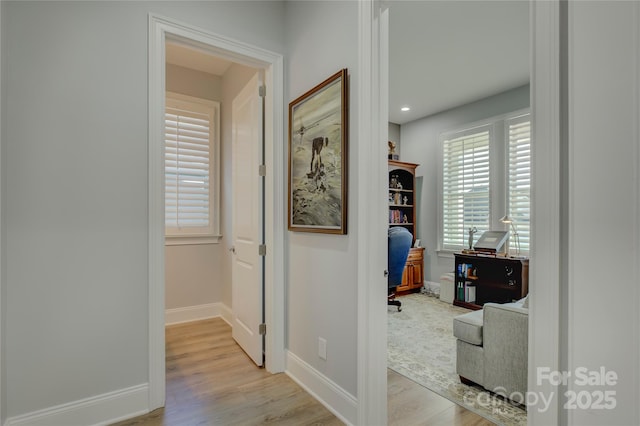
(402, 212)
(413, 275)
(482, 278)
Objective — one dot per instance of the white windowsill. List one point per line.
(185, 240)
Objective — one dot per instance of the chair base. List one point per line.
(393, 302)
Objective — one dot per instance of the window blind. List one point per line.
(519, 178)
(188, 146)
(466, 188)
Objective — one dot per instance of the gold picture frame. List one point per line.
(318, 160)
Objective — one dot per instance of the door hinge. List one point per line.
(262, 329)
(262, 250)
(262, 91)
(262, 170)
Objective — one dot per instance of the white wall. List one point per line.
(322, 39)
(603, 204)
(192, 272)
(194, 83)
(420, 139)
(74, 150)
(193, 275)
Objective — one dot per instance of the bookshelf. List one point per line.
(481, 278)
(402, 209)
(402, 212)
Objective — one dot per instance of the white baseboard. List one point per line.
(198, 312)
(98, 410)
(337, 400)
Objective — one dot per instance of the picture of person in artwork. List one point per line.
(316, 168)
(316, 147)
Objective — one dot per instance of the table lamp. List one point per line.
(516, 238)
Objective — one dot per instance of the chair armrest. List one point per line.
(505, 341)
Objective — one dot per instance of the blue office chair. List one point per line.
(399, 242)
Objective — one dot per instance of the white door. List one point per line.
(247, 214)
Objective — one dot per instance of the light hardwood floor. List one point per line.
(211, 381)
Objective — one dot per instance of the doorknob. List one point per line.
(233, 249)
(386, 273)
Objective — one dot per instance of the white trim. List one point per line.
(156, 214)
(333, 397)
(199, 312)
(546, 229)
(211, 233)
(372, 227)
(2, 252)
(180, 240)
(161, 28)
(275, 212)
(98, 410)
(635, 328)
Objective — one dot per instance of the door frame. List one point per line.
(161, 28)
(373, 51)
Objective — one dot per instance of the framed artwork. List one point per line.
(318, 149)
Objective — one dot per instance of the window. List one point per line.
(191, 170)
(465, 190)
(486, 173)
(519, 177)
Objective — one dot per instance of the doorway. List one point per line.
(160, 30)
(449, 96)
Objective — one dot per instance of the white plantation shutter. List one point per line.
(519, 177)
(465, 186)
(190, 143)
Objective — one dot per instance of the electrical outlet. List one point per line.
(322, 348)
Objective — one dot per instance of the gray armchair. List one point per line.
(492, 348)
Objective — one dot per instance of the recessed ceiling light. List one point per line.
(405, 109)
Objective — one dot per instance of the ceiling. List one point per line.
(443, 54)
(192, 57)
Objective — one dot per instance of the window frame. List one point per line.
(200, 235)
(457, 134)
(499, 173)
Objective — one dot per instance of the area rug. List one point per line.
(422, 348)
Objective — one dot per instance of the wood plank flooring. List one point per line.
(412, 404)
(211, 381)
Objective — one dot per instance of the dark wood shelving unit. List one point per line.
(402, 212)
(497, 279)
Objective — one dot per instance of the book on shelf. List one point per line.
(466, 270)
(469, 292)
(466, 292)
(398, 216)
